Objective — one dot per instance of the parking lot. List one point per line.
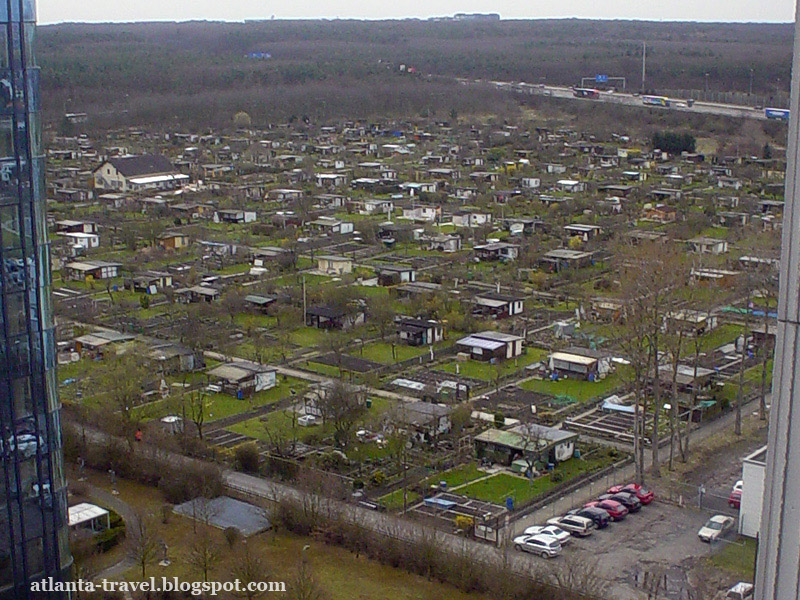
(659, 541)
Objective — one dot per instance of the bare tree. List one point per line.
(580, 576)
(341, 407)
(204, 553)
(304, 584)
(249, 568)
(382, 314)
(143, 542)
(194, 408)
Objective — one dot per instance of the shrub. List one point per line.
(378, 478)
(246, 457)
(556, 477)
(232, 536)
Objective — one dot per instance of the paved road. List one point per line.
(678, 104)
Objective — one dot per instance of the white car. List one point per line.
(551, 530)
(545, 546)
(715, 527)
(737, 487)
(576, 525)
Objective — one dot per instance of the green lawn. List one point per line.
(578, 389)
(281, 423)
(456, 476)
(394, 500)
(488, 372)
(219, 406)
(738, 558)
(724, 334)
(382, 352)
(498, 487)
(308, 337)
(253, 321)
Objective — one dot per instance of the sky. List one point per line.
(57, 11)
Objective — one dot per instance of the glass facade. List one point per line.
(33, 525)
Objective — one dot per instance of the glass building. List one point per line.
(33, 523)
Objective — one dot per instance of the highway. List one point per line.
(678, 104)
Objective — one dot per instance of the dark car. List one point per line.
(644, 495)
(598, 516)
(629, 501)
(616, 510)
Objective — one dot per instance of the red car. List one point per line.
(644, 495)
(615, 510)
(735, 499)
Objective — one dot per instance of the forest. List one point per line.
(162, 72)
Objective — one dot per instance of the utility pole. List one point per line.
(644, 64)
(750, 93)
(778, 557)
(305, 307)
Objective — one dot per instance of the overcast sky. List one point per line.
(56, 11)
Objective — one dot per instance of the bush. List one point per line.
(378, 478)
(246, 457)
(232, 536)
(556, 477)
(106, 540)
(186, 483)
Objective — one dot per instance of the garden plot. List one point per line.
(448, 506)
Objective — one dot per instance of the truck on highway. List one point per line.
(656, 101)
(586, 93)
(780, 114)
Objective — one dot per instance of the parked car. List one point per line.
(644, 495)
(597, 515)
(715, 527)
(741, 591)
(627, 500)
(551, 530)
(614, 509)
(545, 546)
(738, 486)
(580, 526)
(735, 499)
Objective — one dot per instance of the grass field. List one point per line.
(578, 389)
(340, 575)
(219, 406)
(498, 487)
(457, 476)
(382, 352)
(308, 337)
(280, 423)
(394, 500)
(738, 558)
(489, 372)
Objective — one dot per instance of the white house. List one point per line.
(464, 218)
(423, 213)
(570, 185)
(331, 180)
(491, 345)
(752, 492)
(530, 183)
(585, 232)
(136, 173)
(332, 226)
(334, 265)
(80, 241)
(708, 245)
